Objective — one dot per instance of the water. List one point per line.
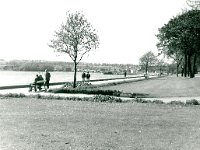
(25, 77)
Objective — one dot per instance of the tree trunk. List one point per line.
(188, 65)
(194, 65)
(160, 70)
(75, 65)
(177, 66)
(75, 70)
(146, 70)
(185, 66)
(182, 71)
(190, 73)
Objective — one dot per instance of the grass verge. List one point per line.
(31, 123)
(96, 90)
(98, 98)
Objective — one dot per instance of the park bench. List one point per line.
(37, 85)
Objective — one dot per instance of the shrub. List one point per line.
(78, 84)
(117, 93)
(97, 98)
(140, 100)
(176, 103)
(15, 95)
(87, 91)
(157, 102)
(106, 98)
(192, 102)
(74, 98)
(138, 95)
(38, 96)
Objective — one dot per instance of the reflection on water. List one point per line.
(25, 77)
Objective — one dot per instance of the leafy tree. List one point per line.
(179, 39)
(160, 65)
(194, 4)
(76, 38)
(176, 56)
(148, 59)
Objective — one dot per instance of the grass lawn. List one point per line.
(34, 124)
(170, 86)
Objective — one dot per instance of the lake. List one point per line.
(26, 77)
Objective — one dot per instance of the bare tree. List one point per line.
(76, 38)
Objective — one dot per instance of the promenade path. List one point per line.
(100, 82)
(164, 99)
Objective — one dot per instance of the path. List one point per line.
(164, 99)
(101, 82)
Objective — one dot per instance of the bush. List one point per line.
(87, 91)
(176, 103)
(192, 102)
(138, 95)
(157, 102)
(78, 84)
(140, 100)
(15, 95)
(106, 98)
(97, 98)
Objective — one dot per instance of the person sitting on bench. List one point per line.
(38, 82)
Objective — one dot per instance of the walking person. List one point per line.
(47, 78)
(125, 74)
(88, 76)
(83, 76)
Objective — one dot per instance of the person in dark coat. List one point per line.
(41, 82)
(88, 76)
(125, 74)
(47, 78)
(83, 76)
(34, 84)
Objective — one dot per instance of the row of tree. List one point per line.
(179, 39)
(27, 65)
(150, 60)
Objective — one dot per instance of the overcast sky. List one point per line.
(126, 28)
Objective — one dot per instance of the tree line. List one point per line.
(41, 65)
(35, 65)
(179, 39)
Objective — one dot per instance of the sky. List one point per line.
(126, 28)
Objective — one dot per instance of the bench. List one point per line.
(37, 85)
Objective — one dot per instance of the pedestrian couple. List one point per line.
(85, 76)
